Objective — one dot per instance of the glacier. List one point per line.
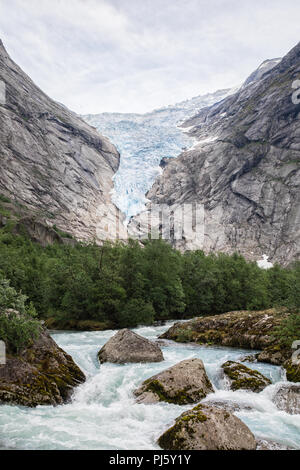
(143, 140)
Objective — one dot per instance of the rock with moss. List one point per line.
(41, 374)
(127, 346)
(186, 382)
(243, 329)
(207, 428)
(287, 398)
(275, 354)
(241, 377)
(292, 371)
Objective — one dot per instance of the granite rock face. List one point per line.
(244, 171)
(52, 162)
(208, 428)
(42, 374)
(126, 346)
(186, 382)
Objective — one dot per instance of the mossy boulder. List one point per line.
(186, 382)
(207, 428)
(127, 346)
(292, 371)
(275, 354)
(42, 374)
(241, 377)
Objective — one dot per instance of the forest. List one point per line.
(85, 286)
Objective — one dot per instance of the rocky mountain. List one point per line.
(265, 67)
(143, 140)
(244, 170)
(54, 166)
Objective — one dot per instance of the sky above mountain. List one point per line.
(137, 55)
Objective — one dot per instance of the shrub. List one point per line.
(18, 327)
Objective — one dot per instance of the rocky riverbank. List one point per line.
(244, 329)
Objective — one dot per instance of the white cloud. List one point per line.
(136, 55)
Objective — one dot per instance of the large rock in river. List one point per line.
(208, 428)
(42, 374)
(127, 346)
(287, 398)
(186, 382)
(242, 377)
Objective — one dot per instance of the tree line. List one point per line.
(123, 285)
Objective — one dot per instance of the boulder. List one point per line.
(207, 428)
(292, 371)
(42, 374)
(186, 382)
(127, 346)
(287, 398)
(242, 377)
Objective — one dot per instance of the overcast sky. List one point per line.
(137, 55)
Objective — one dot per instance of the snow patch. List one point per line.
(264, 263)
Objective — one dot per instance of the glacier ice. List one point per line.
(143, 140)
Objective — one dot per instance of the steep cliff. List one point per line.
(245, 169)
(52, 162)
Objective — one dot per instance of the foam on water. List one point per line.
(104, 415)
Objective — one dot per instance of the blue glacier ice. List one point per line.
(143, 140)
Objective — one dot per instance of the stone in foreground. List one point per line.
(287, 398)
(186, 382)
(207, 428)
(42, 374)
(242, 377)
(126, 346)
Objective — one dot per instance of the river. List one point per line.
(103, 413)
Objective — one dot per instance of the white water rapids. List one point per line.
(103, 413)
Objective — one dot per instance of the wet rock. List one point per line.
(292, 371)
(287, 398)
(161, 342)
(249, 358)
(127, 346)
(265, 444)
(242, 377)
(186, 382)
(228, 405)
(208, 428)
(42, 374)
(274, 354)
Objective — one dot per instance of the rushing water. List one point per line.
(104, 415)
